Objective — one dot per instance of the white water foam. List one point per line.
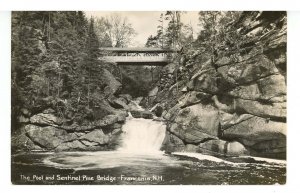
(141, 142)
(269, 160)
(142, 136)
(136, 103)
(202, 157)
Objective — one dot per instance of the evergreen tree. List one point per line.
(92, 68)
(54, 61)
(25, 55)
(173, 33)
(152, 41)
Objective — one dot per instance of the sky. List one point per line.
(145, 22)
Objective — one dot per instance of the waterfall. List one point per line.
(142, 136)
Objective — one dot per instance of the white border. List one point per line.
(153, 5)
(5, 96)
(150, 5)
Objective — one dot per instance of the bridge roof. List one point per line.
(135, 49)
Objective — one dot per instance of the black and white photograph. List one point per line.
(148, 97)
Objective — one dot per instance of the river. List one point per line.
(140, 161)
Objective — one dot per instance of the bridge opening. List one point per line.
(139, 67)
(139, 80)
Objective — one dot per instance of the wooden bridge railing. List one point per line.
(137, 58)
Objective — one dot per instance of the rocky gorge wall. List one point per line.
(46, 130)
(234, 102)
(60, 125)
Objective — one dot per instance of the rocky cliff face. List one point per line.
(234, 102)
(46, 130)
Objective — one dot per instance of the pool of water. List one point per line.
(117, 167)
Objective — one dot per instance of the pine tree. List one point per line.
(152, 41)
(92, 68)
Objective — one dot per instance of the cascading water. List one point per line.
(140, 161)
(142, 136)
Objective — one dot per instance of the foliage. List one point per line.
(215, 34)
(152, 41)
(55, 63)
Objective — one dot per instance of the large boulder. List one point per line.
(119, 103)
(236, 149)
(274, 110)
(112, 85)
(221, 147)
(45, 119)
(215, 147)
(96, 140)
(171, 114)
(72, 145)
(142, 114)
(271, 88)
(196, 123)
(136, 114)
(96, 136)
(256, 130)
(261, 136)
(205, 80)
(111, 119)
(19, 141)
(46, 137)
(248, 71)
(227, 120)
(193, 97)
